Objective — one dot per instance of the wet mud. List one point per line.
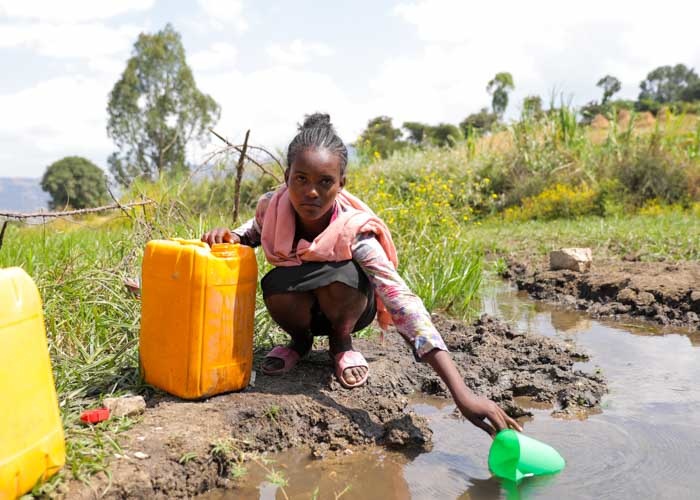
(660, 292)
(187, 448)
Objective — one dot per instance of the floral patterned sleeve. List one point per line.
(410, 317)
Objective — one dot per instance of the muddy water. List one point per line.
(644, 444)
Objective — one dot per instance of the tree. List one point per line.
(532, 107)
(444, 134)
(691, 92)
(380, 137)
(478, 123)
(155, 109)
(668, 83)
(499, 87)
(416, 131)
(75, 181)
(610, 86)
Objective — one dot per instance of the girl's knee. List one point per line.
(342, 305)
(291, 311)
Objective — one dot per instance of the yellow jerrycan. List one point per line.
(197, 312)
(31, 436)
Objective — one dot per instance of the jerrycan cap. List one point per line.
(224, 250)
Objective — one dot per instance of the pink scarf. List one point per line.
(332, 245)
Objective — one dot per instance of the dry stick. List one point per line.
(250, 158)
(270, 155)
(2, 231)
(239, 176)
(44, 215)
(116, 201)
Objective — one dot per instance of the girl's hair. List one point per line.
(317, 133)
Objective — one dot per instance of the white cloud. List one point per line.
(70, 11)
(218, 56)
(222, 14)
(62, 116)
(545, 46)
(69, 40)
(297, 52)
(271, 102)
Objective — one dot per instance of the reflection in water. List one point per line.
(569, 322)
(643, 445)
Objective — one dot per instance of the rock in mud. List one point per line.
(125, 406)
(573, 259)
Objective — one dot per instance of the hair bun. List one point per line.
(316, 120)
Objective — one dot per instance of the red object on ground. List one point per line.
(95, 416)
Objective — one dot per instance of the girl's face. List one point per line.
(313, 181)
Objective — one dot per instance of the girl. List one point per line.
(336, 270)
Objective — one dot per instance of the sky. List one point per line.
(268, 63)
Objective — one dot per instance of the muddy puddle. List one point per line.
(644, 444)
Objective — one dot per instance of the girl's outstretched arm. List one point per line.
(475, 408)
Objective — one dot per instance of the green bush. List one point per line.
(652, 176)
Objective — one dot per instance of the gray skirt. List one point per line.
(312, 275)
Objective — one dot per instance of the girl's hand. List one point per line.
(478, 409)
(220, 235)
(473, 407)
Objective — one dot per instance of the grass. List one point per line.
(669, 236)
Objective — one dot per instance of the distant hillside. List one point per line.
(22, 194)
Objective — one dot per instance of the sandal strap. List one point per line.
(350, 359)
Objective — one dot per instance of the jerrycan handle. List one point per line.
(224, 250)
(196, 243)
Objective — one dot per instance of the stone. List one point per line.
(695, 301)
(645, 299)
(627, 296)
(573, 259)
(125, 406)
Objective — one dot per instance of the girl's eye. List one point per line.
(327, 182)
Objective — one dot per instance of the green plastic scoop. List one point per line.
(515, 456)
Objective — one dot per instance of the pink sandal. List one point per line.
(289, 357)
(350, 359)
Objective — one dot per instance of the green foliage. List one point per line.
(155, 109)
(669, 83)
(478, 123)
(416, 132)
(557, 202)
(669, 235)
(380, 139)
(653, 175)
(420, 207)
(188, 457)
(608, 109)
(76, 182)
(532, 108)
(444, 134)
(610, 86)
(498, 87)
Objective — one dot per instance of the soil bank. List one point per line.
(661, 292)
(192, 447)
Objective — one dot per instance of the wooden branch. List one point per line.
(2, 231)
(116, 201)
(250, 158)
(20, 215)
(239, 176)
(271, 156)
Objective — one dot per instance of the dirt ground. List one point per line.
(191, 447)
(661, 292)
